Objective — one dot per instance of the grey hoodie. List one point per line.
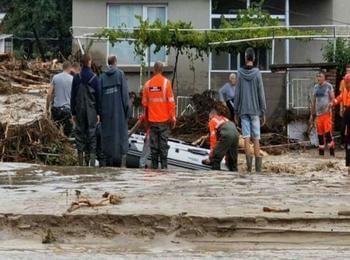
(250, 94)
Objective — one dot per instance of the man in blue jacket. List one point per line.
(250, 106)
(85, 111)
(115, 109)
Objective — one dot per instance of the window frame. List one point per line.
(144, 17)
(234, 16)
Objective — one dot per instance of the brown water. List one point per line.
(178, 214)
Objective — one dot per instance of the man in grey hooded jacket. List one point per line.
(250, 106)
(115, 111)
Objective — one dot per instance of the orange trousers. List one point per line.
(324, 124)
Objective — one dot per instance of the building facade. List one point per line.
(211, 72)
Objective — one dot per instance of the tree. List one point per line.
(40, 19)
(342, 54)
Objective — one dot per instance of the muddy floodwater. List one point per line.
(299, 208)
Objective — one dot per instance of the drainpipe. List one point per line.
(149, 62)
(210, 56)
(287, 25)
(287, 59)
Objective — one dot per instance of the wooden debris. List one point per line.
(113, 199)
(344, 213)
(26, 75)
(275, 210)
(49, 238)
(81, 201)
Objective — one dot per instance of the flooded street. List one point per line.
(178, 213)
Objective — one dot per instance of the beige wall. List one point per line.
(94, 13)
(311, 12)
(341, 11)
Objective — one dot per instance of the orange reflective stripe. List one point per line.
(156, 100)
(219, 121)
(171, 99)
(165, 85)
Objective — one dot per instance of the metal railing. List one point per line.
(184, 106)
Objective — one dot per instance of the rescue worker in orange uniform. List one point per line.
(159, 103)
(323, 97)
(342, 109)
(224, 139)
(344, 100)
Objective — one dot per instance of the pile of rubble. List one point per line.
(20, 76)
(26, 135)
(191, 127)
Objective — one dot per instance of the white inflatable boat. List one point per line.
(181, 154)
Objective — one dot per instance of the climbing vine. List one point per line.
(181, 37)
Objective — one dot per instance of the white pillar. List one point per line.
(286, 56)
(210, 56)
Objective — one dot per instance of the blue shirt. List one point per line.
(227, 92)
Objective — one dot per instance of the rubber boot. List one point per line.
(155, 163)
(216, 166)
(321, 152)
(332, 152)
(164, 164)
(92, 160)
(258, 164)
(231, 166)
(249, 163)
(87, 159)
(81, 158)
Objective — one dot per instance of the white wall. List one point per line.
(2, 45)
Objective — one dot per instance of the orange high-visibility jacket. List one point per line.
(342, 86)
(214, 124)
(343, 98)
(158, 99)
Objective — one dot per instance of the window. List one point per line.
(8, 45)
(276, 7)
(233, 61)
(125, 16)
(229, 9)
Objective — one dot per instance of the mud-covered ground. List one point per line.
(179, 214)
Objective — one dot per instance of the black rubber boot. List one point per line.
(216, 166)
(92, 160)
(164, 164)
(231, 165)
(321, 145)
(80, 158)
(155, 162)
(332, 152)
(87, 159)
(249, 163)
(258, 164)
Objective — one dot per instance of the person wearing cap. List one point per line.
(321, 106)
(344, 100)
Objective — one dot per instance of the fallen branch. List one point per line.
(108, 198)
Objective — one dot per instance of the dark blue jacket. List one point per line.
(115, 111)
(85, 76)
